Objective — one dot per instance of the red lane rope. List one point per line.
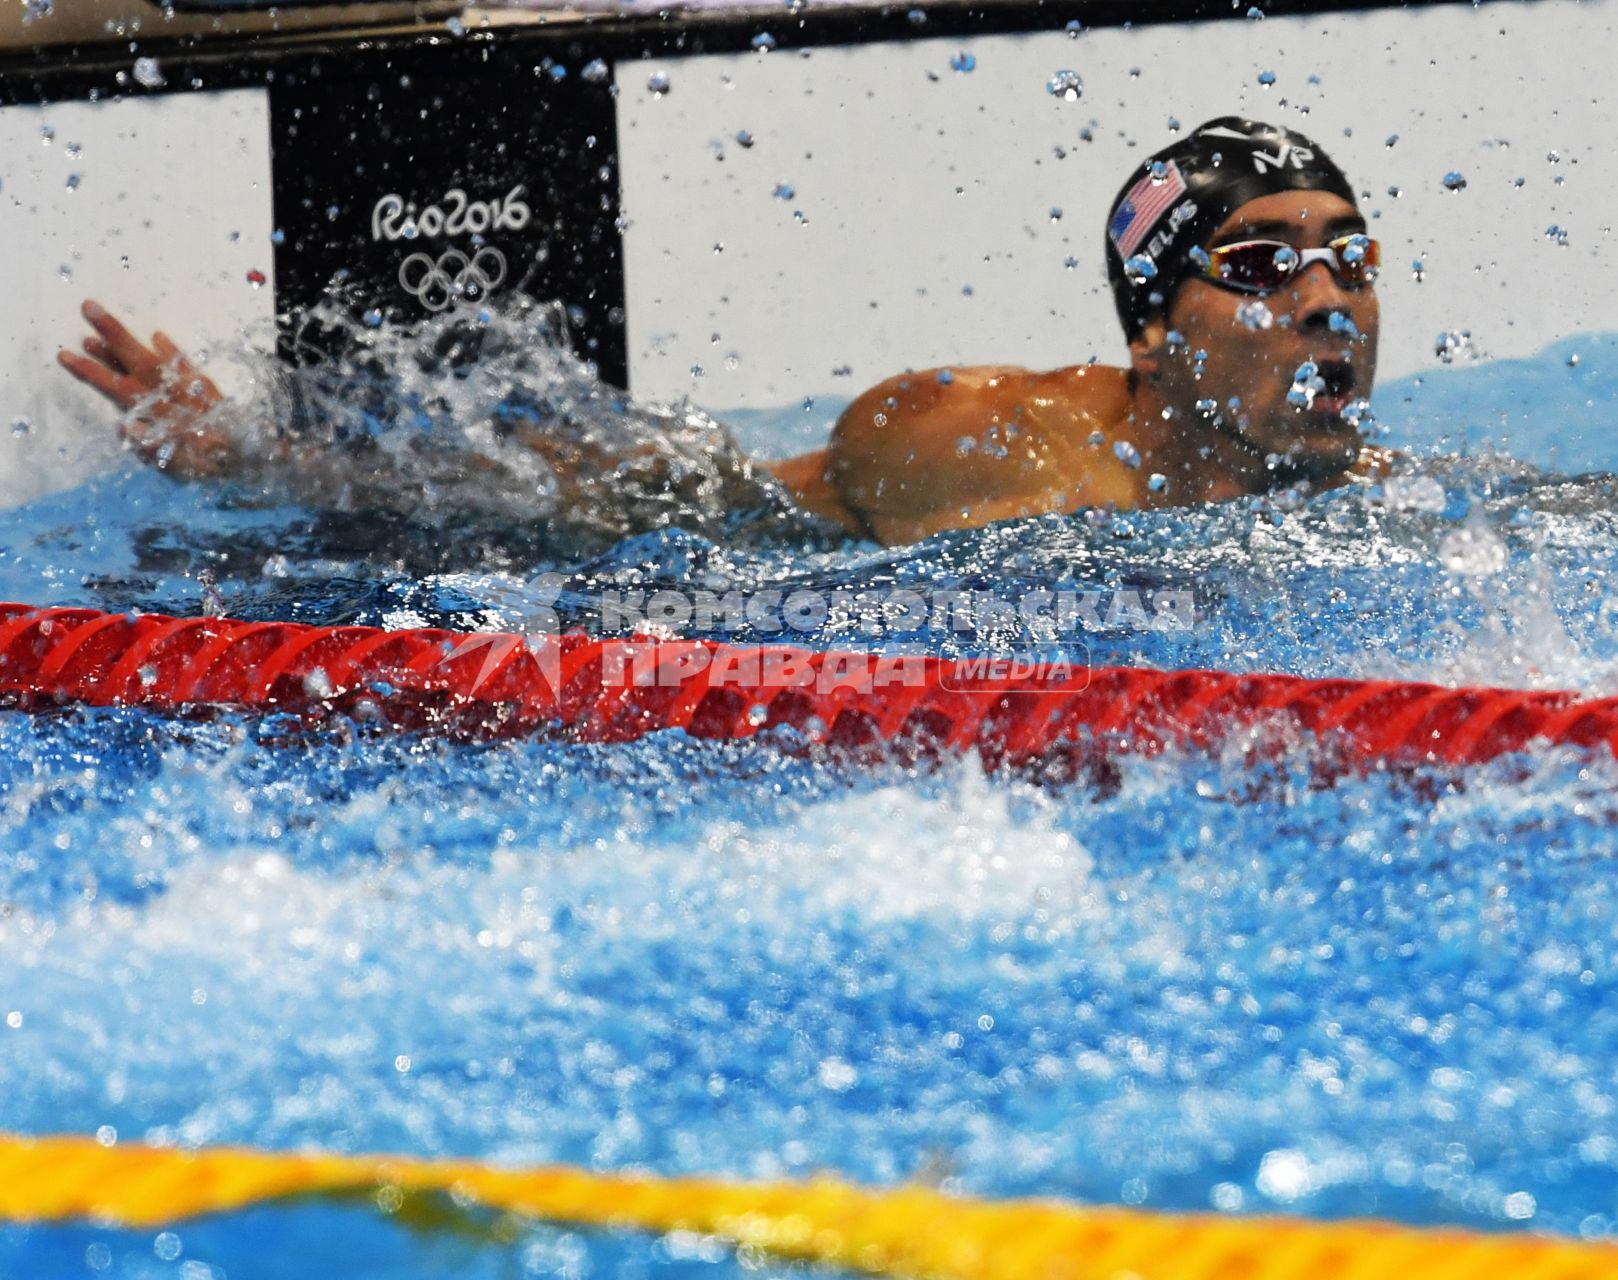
(616, 690)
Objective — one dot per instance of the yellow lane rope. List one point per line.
(911, 1231)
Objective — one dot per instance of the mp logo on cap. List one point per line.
(1263, 161)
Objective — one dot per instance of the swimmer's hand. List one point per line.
(172, 414)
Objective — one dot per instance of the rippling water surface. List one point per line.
(1198, 988)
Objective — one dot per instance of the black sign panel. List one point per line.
(421, 180)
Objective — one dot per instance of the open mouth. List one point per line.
(1338, 392)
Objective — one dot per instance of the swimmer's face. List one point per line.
(1256, 366)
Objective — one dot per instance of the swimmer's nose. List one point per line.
(1318, 296)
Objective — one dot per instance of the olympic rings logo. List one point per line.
(453, 278)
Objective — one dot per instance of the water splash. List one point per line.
(1066, 86)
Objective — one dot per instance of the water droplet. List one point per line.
(1254, 315)
(73, 180)
(963, 62)
(21, 427)
(757, 714)
(837, 1075)
(148, 74)
(1199, 255)
(1157, 482)
(1283, 1175)
(917, 17)
(1207, 408)
(167, 1246)
(945, 377)
(1451, 343)
(763, 42)
(1556, 233)
(1174, 125)
(1573, 361)
(1074, 28)
(1286, 257)
(1255, 14)
(1418, 269)
(784, 191)
(1056, 215)
(278, 236)
(1070, 263)
(34, 10)
(1065, 85)
(1140, 269)
(372, 318)
(596, 71)
(65, 271)
(1519, 1205)
(98, 1256)
(1555, 157)
(744, 139)
(1126, 453)
(1159, 172)
(1454, 181)
(47, 135)
(1393, 140)
(658, 83)
(1266, 78)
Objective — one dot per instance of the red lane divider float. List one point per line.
(616, 690)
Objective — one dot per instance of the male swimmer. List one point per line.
(1242, 275)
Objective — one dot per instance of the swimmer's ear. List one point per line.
(1148, 348)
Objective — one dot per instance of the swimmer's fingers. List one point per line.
(118, 387)
(135, 356)
(98, 350)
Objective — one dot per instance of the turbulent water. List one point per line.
(1198, 988)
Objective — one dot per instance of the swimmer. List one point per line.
(1237, 257)
(1242, 275)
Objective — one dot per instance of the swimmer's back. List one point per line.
(941, 449)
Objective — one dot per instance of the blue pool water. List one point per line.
(1195, 987)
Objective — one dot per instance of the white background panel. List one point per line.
(916, 183)
(170, 214)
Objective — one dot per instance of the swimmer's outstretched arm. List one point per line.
(177, 420)
(173, 414)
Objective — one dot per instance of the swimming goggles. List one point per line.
(1263, 266)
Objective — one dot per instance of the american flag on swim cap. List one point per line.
(1147, 201)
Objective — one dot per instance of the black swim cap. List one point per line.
(1186, 190)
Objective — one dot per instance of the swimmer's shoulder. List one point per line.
(968, 445)
(910, 408)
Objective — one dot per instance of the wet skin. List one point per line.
(915, 454)
(938, 449)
